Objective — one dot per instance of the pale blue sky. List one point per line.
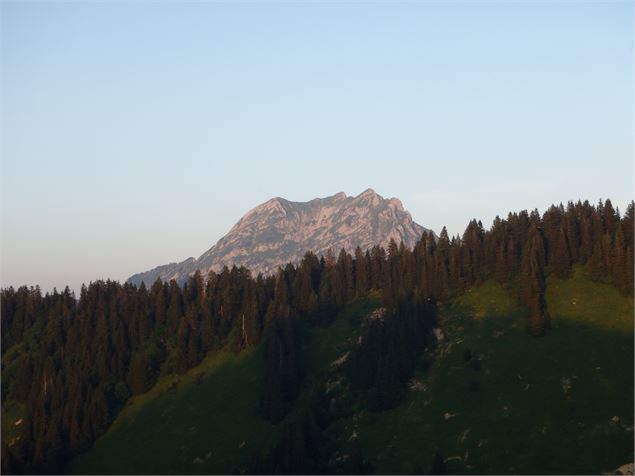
(136, 134)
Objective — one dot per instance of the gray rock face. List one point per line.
(279, 231)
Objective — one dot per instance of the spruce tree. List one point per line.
(378, 258)
(362, 272)
(532, 286)
(618, 262)
(501, 270)
(560, 256)
(598, 261)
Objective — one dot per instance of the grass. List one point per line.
(213, 426)
(191, 428)
(328, 343)
(12, 412)
(543, 405)
(535, 405)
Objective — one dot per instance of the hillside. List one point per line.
(280, 231)
(70, 365)
(557, 404)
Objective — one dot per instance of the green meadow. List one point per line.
(562, 403)
(489, 399)
(200, 422)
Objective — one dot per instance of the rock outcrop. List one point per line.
(280, 231)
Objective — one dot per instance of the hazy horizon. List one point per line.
(137, 134)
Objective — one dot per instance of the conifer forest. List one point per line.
(71, 364)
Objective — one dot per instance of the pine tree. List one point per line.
(532, 286)
(378, 258)
(572, 233)
(598, 261)
(454, 270)
(329, 259)
(618, 262)
(251, 325)
(174, 311)
(628, 284)
(393, 280)
(139, 376)
(283, 369)
(501, 270)
(443, 279)
(444, 242)
(344, 284)
(193, 355)
(628, 224)
(326, 298)
(560, 257)
(586, 241)
(362, 272)
(610, 218)
(473, 251)
(182, 344)
(279, 307)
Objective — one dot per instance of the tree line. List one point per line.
(74, 361)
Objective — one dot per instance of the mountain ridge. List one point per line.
(280, 231)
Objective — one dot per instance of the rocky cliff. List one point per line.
(280, 231)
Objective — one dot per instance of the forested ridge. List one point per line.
(74, 362)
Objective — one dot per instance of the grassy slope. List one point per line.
(521, 420)
(201, 428)
(194, 428)
(12, 412)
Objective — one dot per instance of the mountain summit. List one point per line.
(280, 231)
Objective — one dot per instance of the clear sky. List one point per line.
(137, 133)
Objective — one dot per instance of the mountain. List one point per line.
(420, 363)
(281, 231)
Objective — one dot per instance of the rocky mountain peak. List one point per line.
(395, 202)
(279, 231)
(369, 192)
